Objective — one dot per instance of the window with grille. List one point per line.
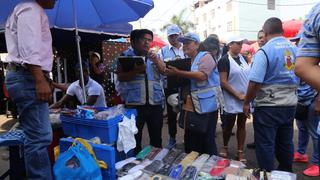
(271, 4)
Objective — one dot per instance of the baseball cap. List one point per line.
(235, 39)
(189, 37)
(173, 29)
(96, 54)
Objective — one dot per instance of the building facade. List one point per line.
(243, 17)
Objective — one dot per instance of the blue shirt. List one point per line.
(259, 67)
(309, 45)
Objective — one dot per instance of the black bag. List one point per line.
(196, 124)
(302, 112)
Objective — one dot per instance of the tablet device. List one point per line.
(127, 62)
(175, 82)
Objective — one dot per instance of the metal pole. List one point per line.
(79, 52)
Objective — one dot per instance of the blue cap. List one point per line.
(189, 37)
(173, 29)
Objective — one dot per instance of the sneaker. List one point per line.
(312, 170)
(303, 158)
(172, 143)
(251, 145)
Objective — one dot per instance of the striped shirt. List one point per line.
(309, 45)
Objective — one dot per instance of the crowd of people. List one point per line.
(221, 82)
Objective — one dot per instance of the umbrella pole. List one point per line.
(79, 52)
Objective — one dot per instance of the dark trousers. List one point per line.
(172, 116)
(152, 115)
(273, 134)
(201, 142)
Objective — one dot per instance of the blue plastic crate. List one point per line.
(103, 152)
(106, 130)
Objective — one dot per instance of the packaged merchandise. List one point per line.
(189, 159)
(154, 167)
(120, 164)
(218, 169)
(176, 172)
(143, 153)
(140, 166)
(153, 153)
(162, 154)
(199, 162)
(189, 174)
(172, 155)
(282, 175)
(165, 170)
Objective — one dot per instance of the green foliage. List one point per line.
(178, 20)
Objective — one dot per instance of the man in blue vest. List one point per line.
(140, 88)
(273, 87)
(171, 52)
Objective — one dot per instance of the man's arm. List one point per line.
(92, 100)
(61, 102)
(43, 89)
(308, 69)
(252, 90)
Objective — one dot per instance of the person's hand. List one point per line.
(171, 71)
(246, 109)
(153, 56)
(241, 97)
(43, 90)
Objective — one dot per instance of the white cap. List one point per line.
(235, 39)
(97, 54)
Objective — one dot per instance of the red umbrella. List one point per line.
(157, 42)
(291, 27)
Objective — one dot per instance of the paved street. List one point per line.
(250, 154)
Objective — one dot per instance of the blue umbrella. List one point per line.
(86, 14)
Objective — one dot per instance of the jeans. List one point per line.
(273, 136)
(153, 116)
(34, 120)
(309, 128)
(172, 116)
(201, 142)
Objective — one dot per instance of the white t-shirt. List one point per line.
(92, 89)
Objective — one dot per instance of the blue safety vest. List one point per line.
(206, 95)
(135, 92)
(281, 57)
(280, 83)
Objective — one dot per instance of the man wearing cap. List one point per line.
(234, 72)
(30, 59)
(272, 86)
(94, 91)
(172, 51)
(97, 69)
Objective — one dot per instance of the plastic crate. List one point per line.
(103, 152)
(106, 130)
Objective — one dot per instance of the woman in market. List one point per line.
(234, 72)
(205, 97)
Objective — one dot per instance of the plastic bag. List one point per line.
(77, 163)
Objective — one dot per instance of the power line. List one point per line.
(264, 4)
